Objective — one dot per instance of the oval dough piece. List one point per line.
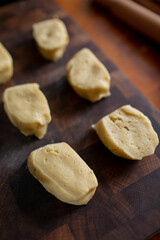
(63, 173)
(88, 76)
(27, 108)
(51, 37)
(127, 133)
(6, 65)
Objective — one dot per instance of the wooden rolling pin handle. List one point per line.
(141, 18)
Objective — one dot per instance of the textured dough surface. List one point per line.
(27, 108)
(6, 65)
(88, 76)
(127, 133)
(63, 173)
(51, 37)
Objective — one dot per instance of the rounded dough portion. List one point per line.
(51, 37)
(88, 76)
(6, 65)
(127, 133)
(27, 108)
(63, 173)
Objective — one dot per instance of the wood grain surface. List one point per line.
(126, 204)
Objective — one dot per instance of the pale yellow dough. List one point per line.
(88, 76)
(6, 65)
(27, 108)
(127, 133)
(63, 173)
(51, 37)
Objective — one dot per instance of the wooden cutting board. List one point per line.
(126, 205)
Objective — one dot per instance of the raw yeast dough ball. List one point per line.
(88, 76)
(51, 37)
(127, 133)
(6, 65)
(27, 108)
(63, 173)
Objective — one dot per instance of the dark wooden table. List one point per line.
(126, 204)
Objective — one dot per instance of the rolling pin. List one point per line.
(139, 17)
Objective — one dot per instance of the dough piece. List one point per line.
(6, 65)
(51, 37)
(127, 133)
(63, 173)
(88, 76)
(27, 108)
